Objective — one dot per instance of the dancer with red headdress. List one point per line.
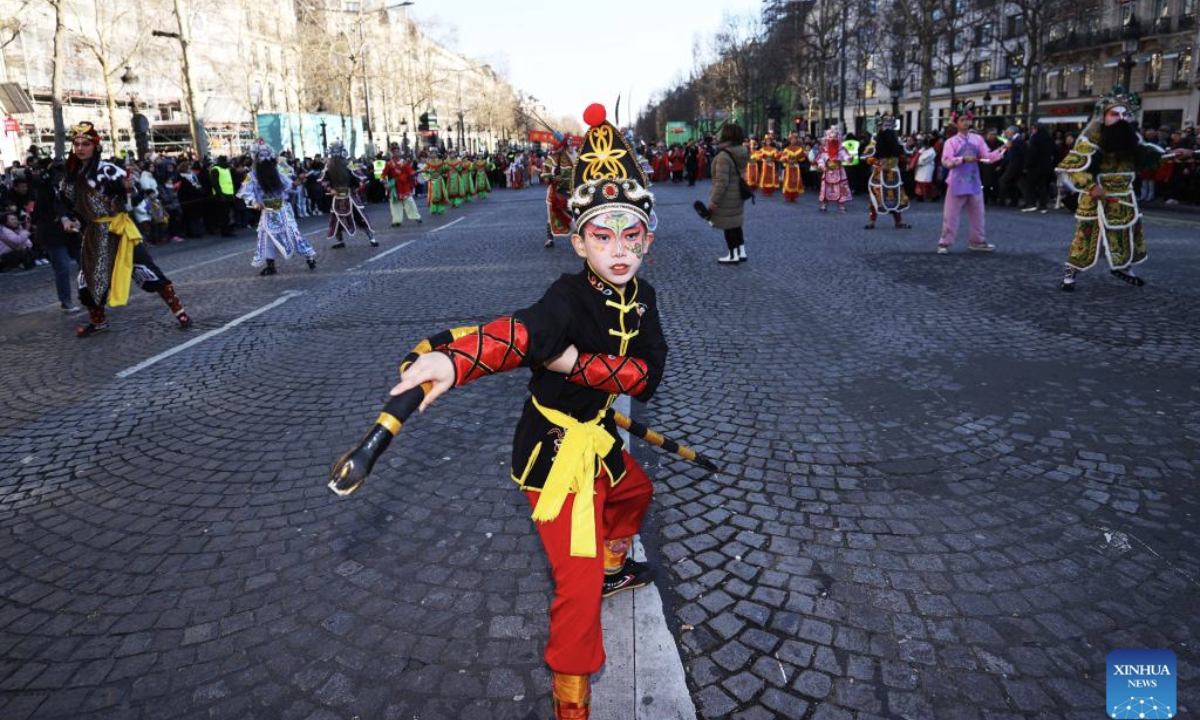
(835, 187)
(556, 174)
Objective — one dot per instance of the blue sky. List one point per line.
(647, 43)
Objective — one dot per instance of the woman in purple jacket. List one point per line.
(961, 156)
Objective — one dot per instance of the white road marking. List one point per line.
(454, 222)
(401, 246)
(39, 308)
(383, 254)
(209, 262)
(210, 334)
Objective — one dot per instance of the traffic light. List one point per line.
(423, 122)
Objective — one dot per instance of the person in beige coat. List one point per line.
(725, 203)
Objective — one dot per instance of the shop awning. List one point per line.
(1056, 119)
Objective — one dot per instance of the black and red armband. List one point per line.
(610, 373)
(499, 346)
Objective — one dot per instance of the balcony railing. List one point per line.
(1162, 25)
(1151, 85)
(1086, 39)
(1187, 22)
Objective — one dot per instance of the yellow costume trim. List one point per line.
(389, 421)
(122, 273)
(574, 470)
(1080, 156)
(603, 162)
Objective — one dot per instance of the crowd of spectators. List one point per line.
(186, 197)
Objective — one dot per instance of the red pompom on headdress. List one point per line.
(594, 115)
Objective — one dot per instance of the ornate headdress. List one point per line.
(833, 133)
(261, 151)
(86, 130)
(337, 149)
(607, 175)
(1118, 97)
(963, 108)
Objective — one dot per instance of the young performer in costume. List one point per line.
(768, 174)
(516, 173)
(266, 189)
(434, 170)
(835, 187)
(594, 335)
(886, 188)
(466, 170)
(794, 158)
(453, 172)
(112, 252)
(1101, 167)
(661, 164)
(556, 174)
(752, 167)
(483, 186)
(401, 181)
(961, 156)
(346, 212)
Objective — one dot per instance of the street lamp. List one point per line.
(404, 131)
(324, 140)
(987, 100)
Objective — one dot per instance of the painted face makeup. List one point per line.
(614, 244)
(1117, 114)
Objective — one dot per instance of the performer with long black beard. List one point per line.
(112, 252)
(886, 188)
(347, 211)
(266, 190)
(1101, 167)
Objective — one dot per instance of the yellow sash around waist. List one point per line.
(574, 470)
(123, 227)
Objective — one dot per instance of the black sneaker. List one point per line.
(631, 576)
(86, 331)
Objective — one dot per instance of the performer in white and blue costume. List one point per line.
(266, 189)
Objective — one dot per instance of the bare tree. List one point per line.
(56, 77)
(821, 38)
(1035, 18)
(923, 26)
(112, 42)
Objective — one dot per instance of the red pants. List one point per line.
(576, 645)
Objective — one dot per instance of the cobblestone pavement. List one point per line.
(949, 491)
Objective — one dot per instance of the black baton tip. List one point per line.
(352, 469)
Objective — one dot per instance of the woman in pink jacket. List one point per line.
(15, 246)
(961, 156)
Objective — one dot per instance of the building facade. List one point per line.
(365, 63)
(1150, 44)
